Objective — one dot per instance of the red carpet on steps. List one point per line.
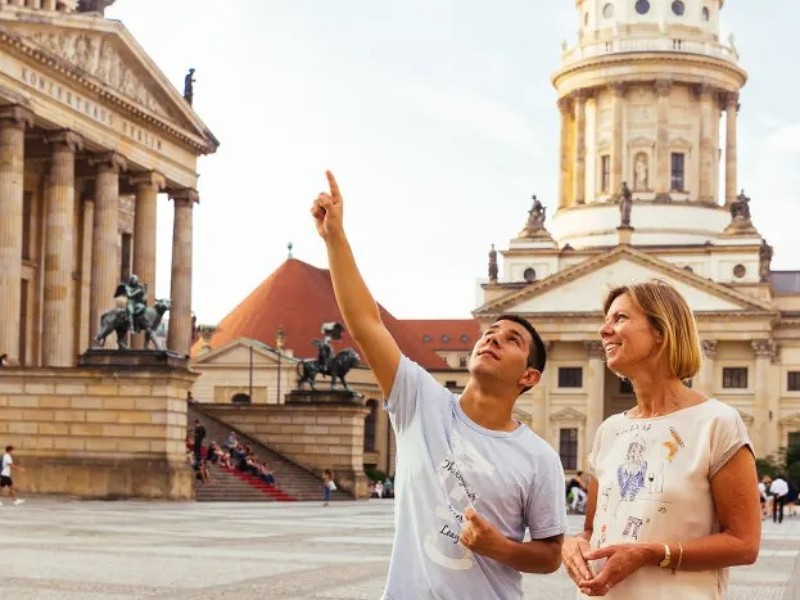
(271, 490)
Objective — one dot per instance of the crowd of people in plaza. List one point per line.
(229, 455)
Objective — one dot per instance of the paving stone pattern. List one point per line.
(71, 550)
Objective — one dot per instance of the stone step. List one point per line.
(293, 480)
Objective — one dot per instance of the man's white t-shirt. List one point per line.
(779, 488)
(446, 463)
(7, 462)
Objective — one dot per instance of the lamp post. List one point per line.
(250, 391)
(280, 338)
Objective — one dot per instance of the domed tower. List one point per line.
(642, 96)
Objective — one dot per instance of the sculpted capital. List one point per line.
(764, 348)
(150, 179)
(16, 115)
(663, 87)
(109, 161)
(618, 88)
(594, 348)
(65, 137)
(188, 195)
(709, 348)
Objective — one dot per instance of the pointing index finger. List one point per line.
(333, 185)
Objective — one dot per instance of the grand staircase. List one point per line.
(292, 481)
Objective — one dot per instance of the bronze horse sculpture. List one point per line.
(117, 320)
(337, 368)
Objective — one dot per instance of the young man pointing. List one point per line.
(470, 478)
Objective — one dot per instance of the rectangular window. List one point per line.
(463, 361)
(570, 377)
(568, 448)
(677, 179)
(734, 377)
(793, 381)
(605, 173)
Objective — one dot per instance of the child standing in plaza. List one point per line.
(5, 474)
(328, 486)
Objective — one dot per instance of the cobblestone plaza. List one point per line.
(71, 550)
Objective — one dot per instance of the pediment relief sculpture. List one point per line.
(98, 57)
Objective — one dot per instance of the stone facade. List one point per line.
(90, 133)
(98, 433)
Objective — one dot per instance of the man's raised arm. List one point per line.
(358, 307)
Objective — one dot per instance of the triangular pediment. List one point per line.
(101, 56)
(791, 420)
(238, 352)
(582, 287)
(568, 415)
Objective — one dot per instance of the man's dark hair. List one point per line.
(537, 355)
(9, 448)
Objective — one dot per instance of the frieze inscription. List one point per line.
(91, 109)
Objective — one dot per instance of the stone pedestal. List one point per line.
(108, 429)
(625, 235)
(325, 397)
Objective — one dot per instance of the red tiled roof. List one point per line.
(299, 297)
(445, 334)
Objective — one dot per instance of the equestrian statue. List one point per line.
(132, 315)
(336, 366)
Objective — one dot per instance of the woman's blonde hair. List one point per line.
(671, 317)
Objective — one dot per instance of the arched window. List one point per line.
(240, 398)
(369, 426)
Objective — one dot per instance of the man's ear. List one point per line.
(530, 377)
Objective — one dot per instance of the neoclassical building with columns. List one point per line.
(649, 98)
(91, 132)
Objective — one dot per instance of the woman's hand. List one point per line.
(622, 561)
(573, 553)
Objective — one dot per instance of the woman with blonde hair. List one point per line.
(672, 472)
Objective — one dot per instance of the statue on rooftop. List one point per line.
(188, 86)
(536, 217)
(98, 6)
(625, 205)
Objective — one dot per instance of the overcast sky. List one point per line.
(437, 117)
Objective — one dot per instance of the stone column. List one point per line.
(731, 110)
(58, 342)
(617, 151)
(84, 310)
(662, 178)
(579, 182)
(180, 317)
(105, 241)
(704, 380)
(767, 407)
(144, 234)
(595, 390)
(707, 144)
(13, 121)
(564, 107)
